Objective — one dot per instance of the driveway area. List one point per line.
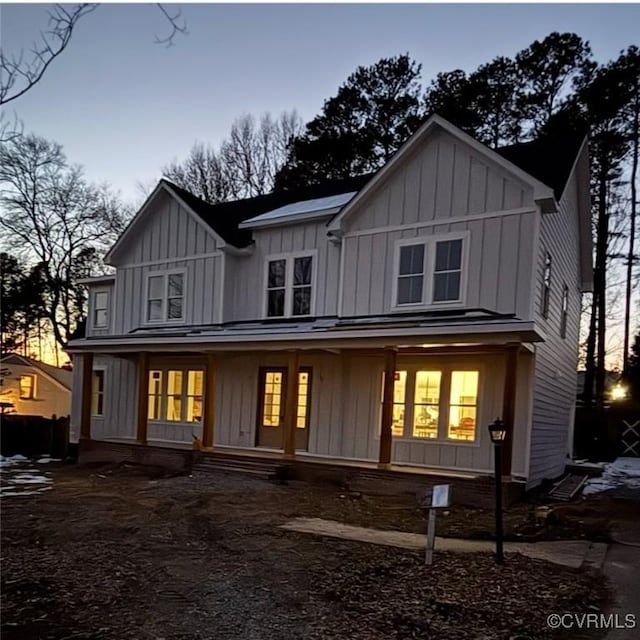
(112, 552)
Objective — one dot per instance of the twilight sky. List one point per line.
(123, 106)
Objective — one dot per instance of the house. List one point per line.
(33, 388)
(383, 321)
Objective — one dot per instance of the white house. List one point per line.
(33, 388)
(383, 320)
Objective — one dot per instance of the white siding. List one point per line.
(557, 358)
(444, 188)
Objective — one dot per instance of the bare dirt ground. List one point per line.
(121, 552)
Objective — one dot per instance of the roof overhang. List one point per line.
(542, 194)
(161, 187)
(497, 332)
(106, 279)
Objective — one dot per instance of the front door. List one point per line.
(272, 397)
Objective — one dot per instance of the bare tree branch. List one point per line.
(176, 27)
(14, 69)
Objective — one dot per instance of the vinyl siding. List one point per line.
(556, 359)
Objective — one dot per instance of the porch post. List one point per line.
(143, 396)
(384, 458)
(509, 405)
(209, 402)
(87, 392)
(291, 404)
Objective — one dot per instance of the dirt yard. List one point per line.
(121, 552)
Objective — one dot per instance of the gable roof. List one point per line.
(62, 377)
(549, 160)
(542, 192)
(225, 217)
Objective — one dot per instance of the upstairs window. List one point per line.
(165, 297)
(100, 305)
(289, 290)
(564, 311)
(429, 271)
(448, 270)
(546, 285)
(411, 274)
(27, 387)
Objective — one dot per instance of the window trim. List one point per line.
(32, 395)
(564, 311)
(102, 369)
(94, 308)
(430, 243)
(289, 259)
(444, 403)
(184, 393)
(165, 273)
(545, 301)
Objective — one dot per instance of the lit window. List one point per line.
(302, 414)
(463, 405)
(272, 398)
(100, 303)
(447, 271)
(564, 312)
(399, 394)
(289, 287)
(174, 396)
(426, 405)
(165, 297)
(27, 387)
(546, 285)
(194, 396)
(155, 395)
(411, 274)
(97, 393)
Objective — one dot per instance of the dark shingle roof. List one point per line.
(225, 217)
(549, 160)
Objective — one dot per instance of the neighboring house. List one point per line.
(29, 387)
(386, 319)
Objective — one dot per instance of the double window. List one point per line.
(165, 296)
(289, 286)
(429, 271)
(435, 404)
(100, 309)
(175, 395)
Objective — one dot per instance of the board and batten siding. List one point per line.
(556, 358)
(169, 238)
(445, 187)
(120, 399)
(245, 275)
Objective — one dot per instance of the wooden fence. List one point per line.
(34, 436)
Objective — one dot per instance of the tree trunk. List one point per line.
(599, 284)
(632, 229)
(590, 360)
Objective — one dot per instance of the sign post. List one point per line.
(437, 498)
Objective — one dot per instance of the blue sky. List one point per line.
(123, 106)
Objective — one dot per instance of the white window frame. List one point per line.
(103, 369)
(165, 273)
(94, 308)
(184, 393)
(289, 259)
(444, 404)
(430, 243)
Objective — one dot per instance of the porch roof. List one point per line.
(335, 333)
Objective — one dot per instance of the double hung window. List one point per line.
(165, 297)
(289, 286)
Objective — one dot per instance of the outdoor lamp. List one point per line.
(497, 431)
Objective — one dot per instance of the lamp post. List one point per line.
(498, 432)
